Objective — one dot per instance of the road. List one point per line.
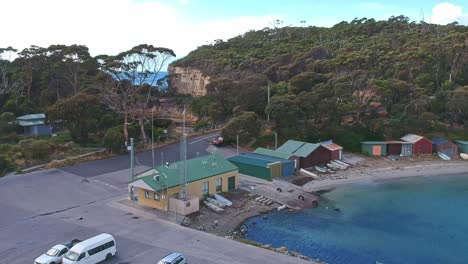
(41, 209)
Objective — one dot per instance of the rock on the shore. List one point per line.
(215, 222)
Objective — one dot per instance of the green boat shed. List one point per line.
(260, 168)
(374, 148)
(462, 146)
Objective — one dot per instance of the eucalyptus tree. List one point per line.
(135, 76)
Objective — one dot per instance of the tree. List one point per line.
(113, 140)
(135, 72)
(286, 113)
(247, 126)
(78, 114)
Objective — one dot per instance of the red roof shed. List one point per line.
(421, 145)
(335, 151)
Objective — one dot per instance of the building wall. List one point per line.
(448, 148)
(320, 156)
(462, 148)
(162, 204)
(369, 149)
(253, 170)
(394, 149)
(423, 146)
(336, 154)
(195, 188)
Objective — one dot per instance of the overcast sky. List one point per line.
(112, 26)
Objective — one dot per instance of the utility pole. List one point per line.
(162, 158)
(268, 115)
(132, 166)
(183, 154)
(276, 140)
(237, 136)
(152, 135)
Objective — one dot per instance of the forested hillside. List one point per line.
(89, 101)
(364, 79)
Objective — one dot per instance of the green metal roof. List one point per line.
(462, 142)
(272, 153)
(290, 146)
(374, 142)
(197, 169)
(31, 123)
(31, 117)
(306, 150)
(298, 148)
(251, 160)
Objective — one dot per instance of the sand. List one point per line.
(380, 169)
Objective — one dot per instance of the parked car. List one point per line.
(219, 142)
(173, 258)
(91, 251)
(53, 255)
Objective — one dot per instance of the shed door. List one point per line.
(232, 183)
(377, 150)
(275, 170)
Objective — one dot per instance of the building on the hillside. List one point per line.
(287, 166)
(462, 146)
(257, 167)
(34, 125)
(445, 146)
(308, 154)
(374, 148)
(384, 148)
(421, 145)
(161, 187)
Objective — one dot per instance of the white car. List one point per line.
(173, 258)
(53, 255)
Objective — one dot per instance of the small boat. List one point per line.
(308, 173)
(222, 199)
(213, 207)
(443, 156)
(342, 163)
(320, 169)
(343, 167)
(216, 202)
(333, 166)
(464, 156)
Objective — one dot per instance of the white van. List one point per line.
(91, 251)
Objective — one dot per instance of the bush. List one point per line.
(200, 125)
(113, 139)
(5, 165)
(36, 149)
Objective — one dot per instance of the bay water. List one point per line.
(411, 220)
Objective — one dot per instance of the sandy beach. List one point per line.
(380, 168)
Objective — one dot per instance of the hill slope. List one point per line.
(386, 76)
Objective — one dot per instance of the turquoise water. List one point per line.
(417, 220)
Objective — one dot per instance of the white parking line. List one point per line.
(202, 139)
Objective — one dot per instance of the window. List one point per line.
(101, 248)
(157, 197)
(219, 185)
(82, 255)
(187, 204)
(147, 195)
(205, 187)
(63, 251)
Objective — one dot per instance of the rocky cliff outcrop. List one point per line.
(186, 80)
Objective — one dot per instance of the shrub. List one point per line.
(5, 165)
(113, 139)
(200, 125)
(36, 149)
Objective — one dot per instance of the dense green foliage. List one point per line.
(373, 75)
(246, 125)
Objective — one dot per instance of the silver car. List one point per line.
(173, 258)
(53, 255)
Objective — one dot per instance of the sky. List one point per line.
(113, 26)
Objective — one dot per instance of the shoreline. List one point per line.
(369, 170)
